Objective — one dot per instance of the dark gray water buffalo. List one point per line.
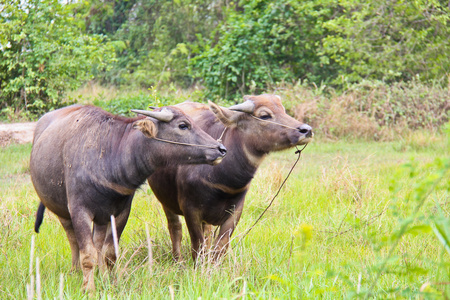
(207, 195)
(86, 165)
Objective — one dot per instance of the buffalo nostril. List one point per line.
(306, 130)
(222, 149)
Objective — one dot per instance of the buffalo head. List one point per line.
(264, 123)
(177, 133)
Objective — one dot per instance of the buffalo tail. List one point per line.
(39, 217)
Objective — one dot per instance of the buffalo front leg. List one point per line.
(175, 231)
(82, 222)
(226, 230)
(68, 227)
(194, 225)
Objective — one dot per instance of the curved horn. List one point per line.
(165, 115)
(246, 107)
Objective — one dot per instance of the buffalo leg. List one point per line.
(226, 230)
(175, 231)
(208, 234)
(68, 227)
(108, 251)
(82, 222)
(99, 239)
(194, 225)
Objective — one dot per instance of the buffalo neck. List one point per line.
(241, 162)
(130, 159)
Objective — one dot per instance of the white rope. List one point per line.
(273, 122)
(220, 138)
(184, 144)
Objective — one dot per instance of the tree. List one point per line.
(159, 37)
(44, 53)
(263, 42)
(389, 40)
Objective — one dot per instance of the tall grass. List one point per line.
(370, 110)
(334, 232)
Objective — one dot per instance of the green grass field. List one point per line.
(355, 220)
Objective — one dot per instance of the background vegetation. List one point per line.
(365, 214)
(390, 57)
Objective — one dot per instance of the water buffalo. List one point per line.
(207, 195)
(86, 165)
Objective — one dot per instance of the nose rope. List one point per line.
(273, 122)
(220, 138)
(184, 144)
(223, 132)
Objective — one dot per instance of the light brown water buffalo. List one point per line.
(207, 195)
(86, 165)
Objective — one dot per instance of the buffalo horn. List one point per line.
(246, 107)
(165, 115)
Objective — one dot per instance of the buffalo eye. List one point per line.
(183, 126)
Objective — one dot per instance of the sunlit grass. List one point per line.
(324, 236)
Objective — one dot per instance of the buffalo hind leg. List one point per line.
(68, 227)
(175, 231)
(226, 230)
(208, 235)
(82, 222)
(99, 234)
(108, 250)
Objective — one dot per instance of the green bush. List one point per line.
(412, 104)
(44, 53)
(388, 41)
(158, 38)
(125, 101)
(265, 43)
(422, 211)
(231, 49)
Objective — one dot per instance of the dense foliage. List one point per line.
(159, 37)
(266, 43)
(44, 53)
(230, 48)
(389, 40)
(326, 42)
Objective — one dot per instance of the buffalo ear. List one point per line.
(147, 127)
(225, 115)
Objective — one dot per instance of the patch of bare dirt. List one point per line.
(18, 133)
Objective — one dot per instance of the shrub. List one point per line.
(125, 101)
(371, 109)
(43, 54)
(263, 43)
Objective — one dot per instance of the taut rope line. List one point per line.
(184, 144)
(219, 140)
(273, 123)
